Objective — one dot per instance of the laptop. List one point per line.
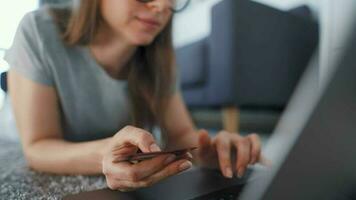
(313, 149)
(193, 184)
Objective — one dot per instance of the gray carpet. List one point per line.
(17, 181)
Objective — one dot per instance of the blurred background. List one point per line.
(238, 60)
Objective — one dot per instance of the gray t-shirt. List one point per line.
(93, 105)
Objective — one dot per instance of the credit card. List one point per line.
(145, 156)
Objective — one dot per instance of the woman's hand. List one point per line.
(229, 151)
(126, 176)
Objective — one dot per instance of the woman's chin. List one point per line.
(143, 40)
(144, 43)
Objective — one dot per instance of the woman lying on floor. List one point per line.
(89, 82)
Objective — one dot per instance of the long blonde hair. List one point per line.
(151, 74)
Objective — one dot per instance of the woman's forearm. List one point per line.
(63, 157)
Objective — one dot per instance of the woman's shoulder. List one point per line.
(40, 25)
(37, 19)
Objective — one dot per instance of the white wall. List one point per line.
(194, 23)
(335, 25)
(11, 12)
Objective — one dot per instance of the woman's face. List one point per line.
(138, 23)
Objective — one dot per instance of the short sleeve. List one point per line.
(27, 54)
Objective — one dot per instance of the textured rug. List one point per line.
(17, 181)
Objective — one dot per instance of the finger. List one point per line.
(127, 186)
(170, 170)
(123, 154)
(146, 168)
(119, 185)
(116, 170)
(223, 148)
(138, 137)
(204, 142)
(255, 147)
(123, 185)
(243, 147)
(143, 169)
(128, 150)
(121, 146)
(204, 139)
(186, 156)
(264, 161)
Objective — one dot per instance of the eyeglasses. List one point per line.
(177, 5)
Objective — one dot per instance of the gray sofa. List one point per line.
(252, 60)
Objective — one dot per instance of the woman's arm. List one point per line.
(38, 121)
(37, 116)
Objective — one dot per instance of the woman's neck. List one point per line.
(112, 52)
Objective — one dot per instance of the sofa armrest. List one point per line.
(222, 55)
(191, 62)
(302, 11)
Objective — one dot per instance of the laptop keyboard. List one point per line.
(225, 197)
(230, 193)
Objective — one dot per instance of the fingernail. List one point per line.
(228, 172)
(240, 172)
(154, 147)
(169, 159)
(190, 155)
(185, 165)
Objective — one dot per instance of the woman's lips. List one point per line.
(149, 23)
